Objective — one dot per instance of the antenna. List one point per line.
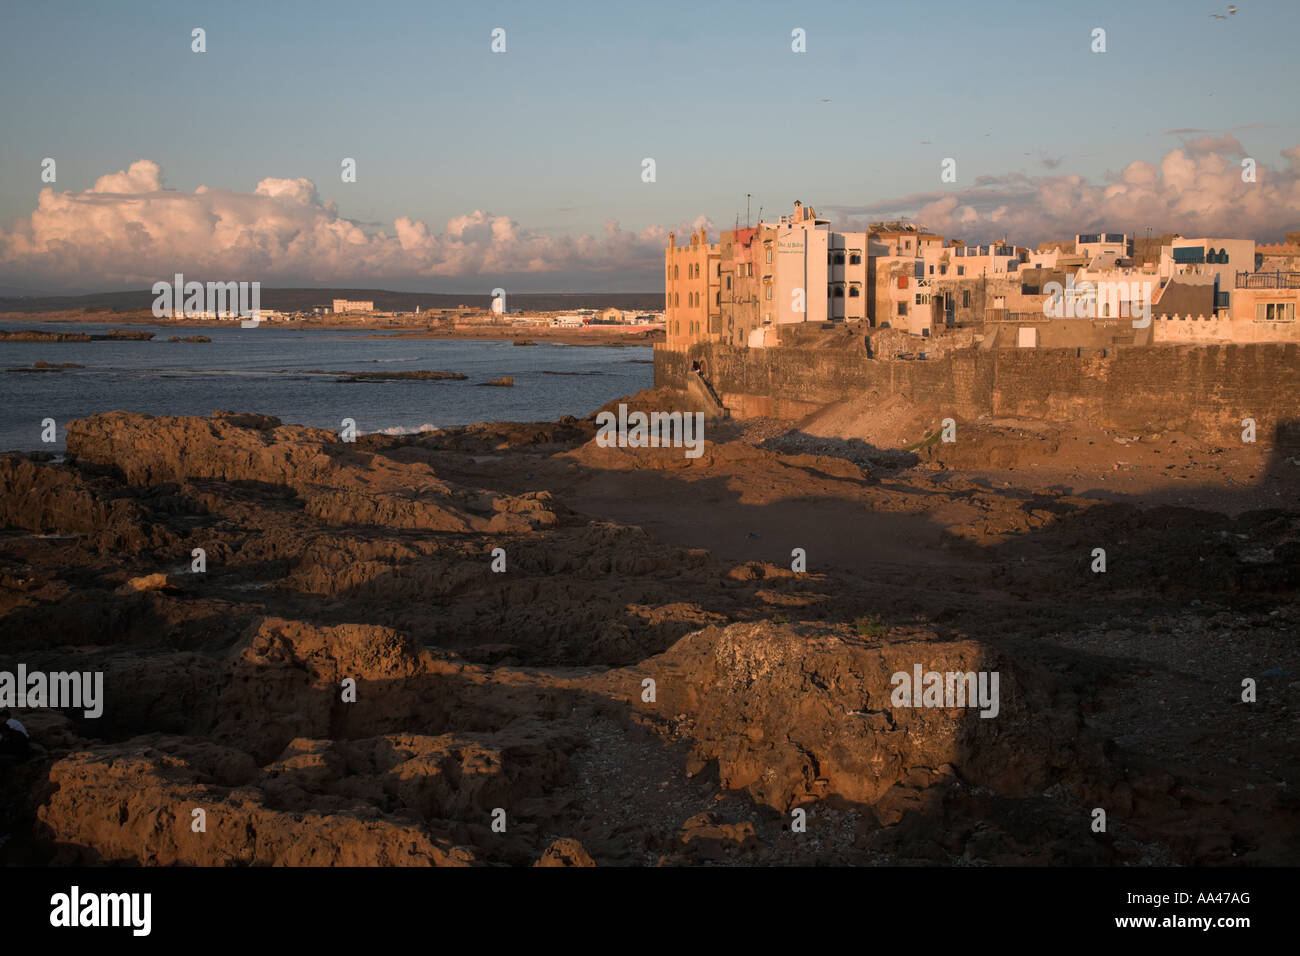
(760, 213)
(746, 210)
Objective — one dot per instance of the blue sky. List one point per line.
(552, 133)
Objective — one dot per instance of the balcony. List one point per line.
(1268, 280)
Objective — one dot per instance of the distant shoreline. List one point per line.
(600, 335)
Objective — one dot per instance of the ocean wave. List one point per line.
(402, 430)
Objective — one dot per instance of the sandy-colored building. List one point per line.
(349, 305)
(689, 270)
(1278, 257)
(1263, 309)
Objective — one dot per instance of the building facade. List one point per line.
(347, 305)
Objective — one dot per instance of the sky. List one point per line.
(524, 169)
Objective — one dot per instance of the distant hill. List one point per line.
(297, 300)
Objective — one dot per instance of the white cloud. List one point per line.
(1196, 190)
(128, 229)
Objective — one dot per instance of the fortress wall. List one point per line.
(1205, 390)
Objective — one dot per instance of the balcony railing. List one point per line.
(1268, 280)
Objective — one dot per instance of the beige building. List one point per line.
(347, 305)
(689, 271)
(1278, 257)
(1263, 309)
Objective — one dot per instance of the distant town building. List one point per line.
(349, 305)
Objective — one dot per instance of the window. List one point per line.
(855, 259)
(902, 308)
(769, 293)
(839, 292)
(855, 292)
(961, 270)
(728, 283)
(769, 253)
(675, 273)
(931, 270)
(965, 298)
(839, 258)
(1275, 311)
(717, 298)
(943, 270)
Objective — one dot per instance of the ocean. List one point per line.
(266, 370)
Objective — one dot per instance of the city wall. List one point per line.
(1205, 390)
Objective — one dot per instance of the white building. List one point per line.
(801, 269)
(1092, 245)
(1220, 258)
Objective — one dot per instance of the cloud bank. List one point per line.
(1196, 190)
(129, 230)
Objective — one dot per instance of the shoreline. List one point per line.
(605, 335)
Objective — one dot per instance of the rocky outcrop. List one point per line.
(338, 483)
(503, 644)
(796, 713)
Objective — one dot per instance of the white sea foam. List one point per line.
(403, 430)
